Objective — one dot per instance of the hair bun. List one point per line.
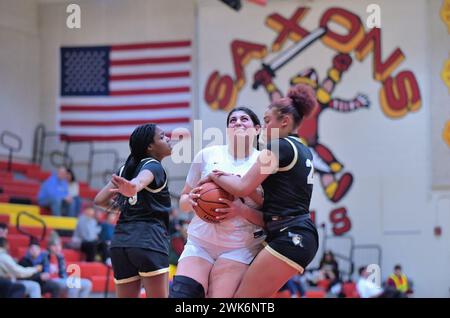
(303, 99)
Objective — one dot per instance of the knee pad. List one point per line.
(186, 287)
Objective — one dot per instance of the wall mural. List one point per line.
(399, 93)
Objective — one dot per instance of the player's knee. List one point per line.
(186, 287)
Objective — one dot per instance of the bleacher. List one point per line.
(22, 185)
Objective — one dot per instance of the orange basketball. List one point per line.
(209, 201)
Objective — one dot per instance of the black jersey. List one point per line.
(288, 191)
(144, 218)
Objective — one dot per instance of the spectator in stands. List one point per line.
(74, 193)
(54, 194)
(296, 286)
(3, 230)
(367, 288)
(35, 257)
(106, 234)
(329, 270)
(107, 228)
(58, 267)
(399, 281)
(86, 236)
(10, 271)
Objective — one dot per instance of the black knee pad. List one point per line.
(186, 287)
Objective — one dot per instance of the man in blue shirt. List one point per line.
(35, 257)
(54, 193)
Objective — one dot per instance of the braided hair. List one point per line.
(140, 139)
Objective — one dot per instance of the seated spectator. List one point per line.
(74, 193)
(10, 271)
(58, 268)
(399, 281)
(86, 237)
(107, 228)
(366, 288)
(35, 257)
(296, 286)
(3, 230)
(329, 270)
(54, 194)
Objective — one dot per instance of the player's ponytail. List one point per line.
(303, 99)
(300, 102)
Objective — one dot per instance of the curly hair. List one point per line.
(299, 102)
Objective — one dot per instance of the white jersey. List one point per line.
(236, 232)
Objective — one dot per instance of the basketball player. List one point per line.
(286, 176)
(217, 255)
(140, 244)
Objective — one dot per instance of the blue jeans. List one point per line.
(61, 207)
(75, 207)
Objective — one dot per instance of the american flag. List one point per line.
(106, 91)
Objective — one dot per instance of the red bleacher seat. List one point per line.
(19, 166)
(4, 197)
(315, 294)
(282, 294)
(72, 255)
(38, 174)
(323, 283)
(17, 241)
(6, 175)
(35, 231)
(21, 252)
(89, 269)
(349, 290)
(99, 284)
(4, 218)
(20, 189)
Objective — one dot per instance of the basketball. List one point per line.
(209, 201)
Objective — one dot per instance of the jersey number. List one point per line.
(311, 172)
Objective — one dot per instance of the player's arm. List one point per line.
(257, 197)
(253, 216)
(131, 187)
(189, 195)
(188, 198)
(266, 164)
(237, 207)
(104, 196)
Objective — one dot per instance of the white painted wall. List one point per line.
(19, 71)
